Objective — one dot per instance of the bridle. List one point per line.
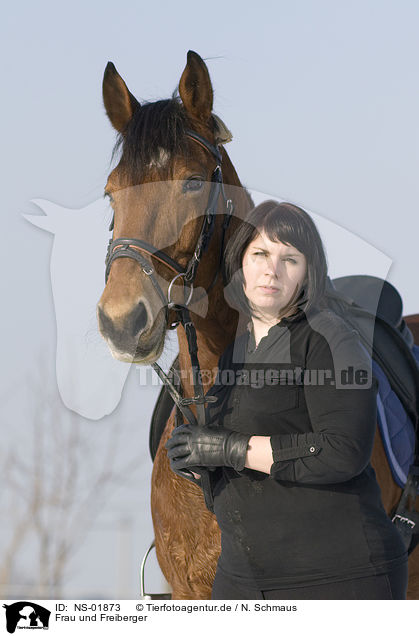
(133, 248)
(129, 247)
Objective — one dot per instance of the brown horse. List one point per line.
(159, 191)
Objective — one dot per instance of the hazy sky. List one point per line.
(322, 98)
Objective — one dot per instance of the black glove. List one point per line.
(194, 446)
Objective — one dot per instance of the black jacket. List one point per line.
(318, 515)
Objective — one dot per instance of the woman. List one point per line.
(289, 440)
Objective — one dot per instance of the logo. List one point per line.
(26, 615)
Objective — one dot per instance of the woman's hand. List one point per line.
(194, 446)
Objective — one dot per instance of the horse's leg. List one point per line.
(186, 534)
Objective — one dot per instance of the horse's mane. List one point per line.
(154, 127)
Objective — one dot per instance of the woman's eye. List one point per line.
(289, 259)
(194, 184)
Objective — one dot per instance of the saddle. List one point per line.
(374, 308)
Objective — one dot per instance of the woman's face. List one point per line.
(272, 272)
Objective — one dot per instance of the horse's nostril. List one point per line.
(139, 319)
(103, 319)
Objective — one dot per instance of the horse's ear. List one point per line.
(120, 104)
(195, 88)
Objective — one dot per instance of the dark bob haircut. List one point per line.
(291, 225)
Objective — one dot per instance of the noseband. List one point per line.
(129, 247)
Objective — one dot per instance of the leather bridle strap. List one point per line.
(205, 144)
(146, 247)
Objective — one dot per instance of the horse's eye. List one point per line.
(194, 184)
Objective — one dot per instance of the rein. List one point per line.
(133, 248)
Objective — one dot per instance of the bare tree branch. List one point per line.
(57, 484)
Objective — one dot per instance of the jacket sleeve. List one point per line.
(342, 414)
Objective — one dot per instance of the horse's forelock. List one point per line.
(156, 130)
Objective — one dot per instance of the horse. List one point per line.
(159, 192)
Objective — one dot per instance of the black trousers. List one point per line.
(389, 586)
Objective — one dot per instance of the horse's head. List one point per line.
(160, 191)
